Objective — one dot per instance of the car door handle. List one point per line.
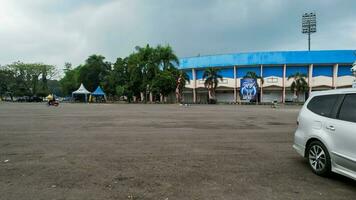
(331, 128)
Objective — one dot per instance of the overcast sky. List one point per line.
(58, 31)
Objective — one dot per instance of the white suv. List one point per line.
(326, 133)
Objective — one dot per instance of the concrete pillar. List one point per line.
(261, 74)
(335, 75)
(284, 83)
(235, 85)
(310, 78)
(194, 86)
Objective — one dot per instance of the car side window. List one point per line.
(348, 108)
(323, 105)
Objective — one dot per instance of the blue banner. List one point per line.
(248, 89)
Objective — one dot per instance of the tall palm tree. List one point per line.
(299, 83)
(182, 79)
(212, 77)
(166, 57)
(147, 62)
(152, 61)
(253, 75)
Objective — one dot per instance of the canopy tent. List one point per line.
(81, 90)
(98, 94)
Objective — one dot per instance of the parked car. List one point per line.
(35, 99)
(326, 133)
(23, 99)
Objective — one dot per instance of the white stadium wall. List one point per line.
(322, 81)
(344, 81)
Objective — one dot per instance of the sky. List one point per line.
(59, 31)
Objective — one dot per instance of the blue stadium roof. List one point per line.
(270, 58)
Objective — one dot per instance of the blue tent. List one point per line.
(99, 95)
(98, 92)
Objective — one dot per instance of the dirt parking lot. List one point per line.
(81, 151)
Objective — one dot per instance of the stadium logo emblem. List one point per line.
(248, 88)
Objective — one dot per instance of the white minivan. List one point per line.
(326, 133)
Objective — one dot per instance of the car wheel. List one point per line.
(319, 158)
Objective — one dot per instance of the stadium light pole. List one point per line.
(309, 25)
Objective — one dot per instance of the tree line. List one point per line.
(147, 74)
(27, 79)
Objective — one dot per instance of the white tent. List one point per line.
(81, 90)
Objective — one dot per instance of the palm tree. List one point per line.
(212, 77)
(152, 61)
(299, 84)
(253, 75)
(147, 62)
(166, 57)
(182, 79)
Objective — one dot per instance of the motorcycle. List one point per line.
(53, 103)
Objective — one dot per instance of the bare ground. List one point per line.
(81, 151)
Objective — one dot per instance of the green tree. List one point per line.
(147, 60)
(122, 91)
(136, 77)
(54, 87)
(31, 78)
(121, 71)
(93, 73)
(118, 76)
(299, 84)
(7, 82)
(212, 77)
(48, 72)
(166, 57)
(164, 83)
(69, 82)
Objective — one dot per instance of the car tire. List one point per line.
(319, 158)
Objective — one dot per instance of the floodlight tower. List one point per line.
(309, 25)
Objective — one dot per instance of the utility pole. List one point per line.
(309, 25)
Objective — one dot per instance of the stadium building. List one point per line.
(324, 69)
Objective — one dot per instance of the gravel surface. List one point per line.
(108, 151)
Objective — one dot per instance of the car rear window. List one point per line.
(322, 105)
(348, 108)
